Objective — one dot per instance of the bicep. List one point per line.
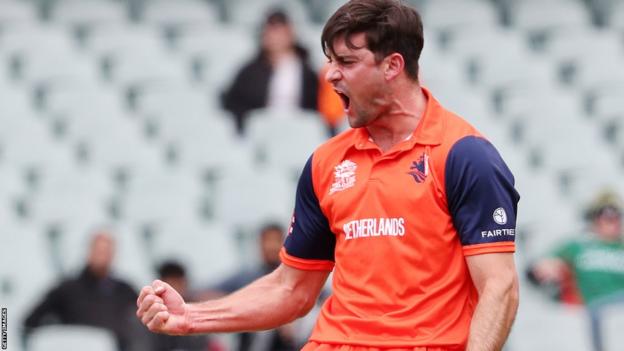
(307, 282)
(303, 287)
(496, 270)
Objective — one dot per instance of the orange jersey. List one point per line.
(396, 226)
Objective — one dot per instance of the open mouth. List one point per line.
(346, 101)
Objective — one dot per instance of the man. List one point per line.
(412, 209)
(594, 262)
(95, 298)
(280, 71)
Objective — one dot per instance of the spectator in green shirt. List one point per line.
(595, 260)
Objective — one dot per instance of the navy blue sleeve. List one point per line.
(309, 236)
(480, 192)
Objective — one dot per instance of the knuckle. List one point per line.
(148, 300)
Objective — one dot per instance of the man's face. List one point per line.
(359, 80)
(277, 37)
(101, 254)
(271, 243)
(609, 226)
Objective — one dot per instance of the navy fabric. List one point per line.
(310, 236)
(478, 185)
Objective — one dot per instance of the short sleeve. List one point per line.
(310, 243)
(481, 197)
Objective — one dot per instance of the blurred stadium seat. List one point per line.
(27, 267)
(181, 13)
(536, 321)
(285, 139)
(16, 13)
(249, 14)
(202, 51)
(244, 199)
(616, 16)
(546, 17)
(84, 15)
(72, 338)
(207, 249)
(453, 16)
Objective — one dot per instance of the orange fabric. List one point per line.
(480, 249)
(400, 278)
(314, 346)
(306, 265)
(329, 104)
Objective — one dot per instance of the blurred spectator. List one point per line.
(279, 76)
(595, 261)
(174, 274)
(284, 338)
(94, 298)
(330, 105)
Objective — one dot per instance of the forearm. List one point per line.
(265, 304)
(493, 317)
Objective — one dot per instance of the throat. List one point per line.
(387, 142)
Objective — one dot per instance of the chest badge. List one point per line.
(419, 169)
(344, 176)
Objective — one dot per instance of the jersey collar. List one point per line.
(428, 132)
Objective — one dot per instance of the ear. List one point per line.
(394, 65)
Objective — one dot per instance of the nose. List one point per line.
(333, 73)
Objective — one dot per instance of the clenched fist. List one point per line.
(163, 310)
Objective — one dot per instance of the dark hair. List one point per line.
(276, 16)
(271, 227)
(606, 203)
(171, 269)
(389, 26)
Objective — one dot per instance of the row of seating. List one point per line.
(525, 14)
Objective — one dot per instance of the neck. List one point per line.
(406, 108)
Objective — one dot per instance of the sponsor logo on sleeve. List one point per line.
(500, 216)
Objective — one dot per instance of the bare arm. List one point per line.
(494, 276)
(275, 299)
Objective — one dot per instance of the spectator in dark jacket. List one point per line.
(279, 76)
(93, 298)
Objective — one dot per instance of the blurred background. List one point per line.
(179, 128)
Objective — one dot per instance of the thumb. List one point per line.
(160, 287)
(172, 299)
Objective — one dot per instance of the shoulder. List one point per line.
(474, 148)
(444, 128)
(456, 128)
(255, 64)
